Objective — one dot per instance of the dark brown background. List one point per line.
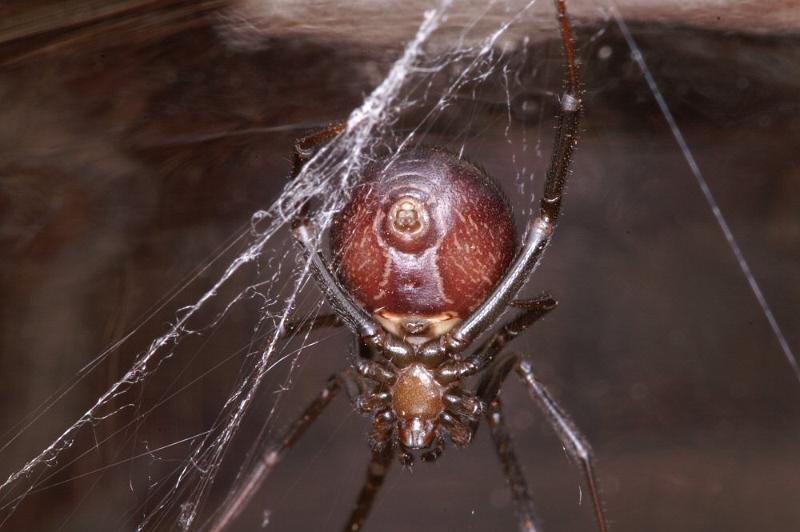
(130, 151)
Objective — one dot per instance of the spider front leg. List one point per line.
(341, 301)
(541, 228)
(305, 233)
(575, 444)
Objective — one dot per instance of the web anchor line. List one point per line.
(636, 54)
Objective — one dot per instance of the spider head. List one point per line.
(423, 241)
(417, 432)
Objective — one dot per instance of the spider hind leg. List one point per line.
(514, 474)
(379, 465)
(574, 443)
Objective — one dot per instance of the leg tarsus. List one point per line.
(305, 147)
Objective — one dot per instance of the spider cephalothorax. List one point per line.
(417, 406)
(425, 260)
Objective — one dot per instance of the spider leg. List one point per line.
(304, 231)
(541, 228)
(573, 441)
(532, 311)
(379, 464)
(341, 301)
(304, 325)
(514, 475)
(238, 500)
(487, 391)
(305, 147)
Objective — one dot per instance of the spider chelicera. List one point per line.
(426, 259)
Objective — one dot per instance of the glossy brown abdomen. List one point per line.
(425, 233)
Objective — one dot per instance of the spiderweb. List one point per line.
(257, 279)
(414, 81)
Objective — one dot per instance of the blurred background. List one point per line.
(137, 138)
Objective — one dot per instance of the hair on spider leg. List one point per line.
(425, 259)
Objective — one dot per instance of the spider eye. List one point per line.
(425, 233)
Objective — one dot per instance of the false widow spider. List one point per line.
(425, 261)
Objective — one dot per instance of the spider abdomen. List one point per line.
(423, 240)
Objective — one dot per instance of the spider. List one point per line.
(424, 262)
